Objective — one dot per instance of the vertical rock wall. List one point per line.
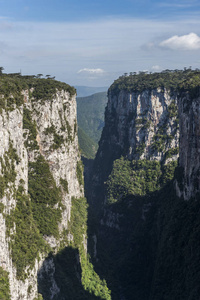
(189, 161)
(138, 125)
(57, 142)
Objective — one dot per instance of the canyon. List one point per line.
(136, 234)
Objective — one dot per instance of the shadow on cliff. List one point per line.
(124, 248)
(88, 166)
(148, 248)
(59, 278)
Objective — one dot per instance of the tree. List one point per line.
(39, 75)
(1, 70)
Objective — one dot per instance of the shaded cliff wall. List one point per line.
(189, 161)
(149, 239)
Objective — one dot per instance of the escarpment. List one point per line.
(143, 219)
(189, 162)
(39, 160)
(139, 125)
(43, 212)
(146, 166)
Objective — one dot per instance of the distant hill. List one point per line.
(90, 114)
(84, 91)
(87, 145)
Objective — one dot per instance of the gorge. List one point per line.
(140, 237)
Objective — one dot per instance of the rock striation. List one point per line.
(151, 136)
(34, 129)
(137, 120)
(139, 126)
(189, 161)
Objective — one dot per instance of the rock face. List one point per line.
(138, 125)
(151, 235)
(189, 161)
(53, 121)
(138, 118)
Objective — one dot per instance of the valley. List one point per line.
(131, 230)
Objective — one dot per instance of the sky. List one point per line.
(92, 42)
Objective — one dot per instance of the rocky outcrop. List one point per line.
(53, 122)
(151, 233)
(138, 125)
(139, 120)
(58, 144)
(189, 161)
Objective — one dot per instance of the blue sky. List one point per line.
(93, 42)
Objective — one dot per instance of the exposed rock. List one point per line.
(189, 161)
(138, 125)
(59, 114)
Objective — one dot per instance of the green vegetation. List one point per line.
(78, 227)
(140, 148)
(1, 208)
(11, 86)
(186, 79)
(2, 186)
(72, 261)
(171, 152)
(87, 145)
(10, 92)
(162, 139)
(90, 114)
(58, 140)
(172, 109)
(26, 242)
(45, 89)
(137, 177)
(168, 172)
(69, 131)
(39, 213)
(78, 221)
(159, 142)
(4, 285)
(64, 184)
(146, 237)
(45, 196)
(8, 168)
(79, 172)
(29, 124)
(39, 297)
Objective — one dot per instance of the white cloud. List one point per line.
(91, 71)
(156, 68)
(94, 51)
(185, 42)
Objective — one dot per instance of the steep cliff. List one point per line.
(43, 212)
(141, 123)
(148, 231)
(189, 162)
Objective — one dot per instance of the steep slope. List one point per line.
(90, 114)
(41, 194)
(141, 123)
(88, 147)
(148, 232)
(189, 163)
